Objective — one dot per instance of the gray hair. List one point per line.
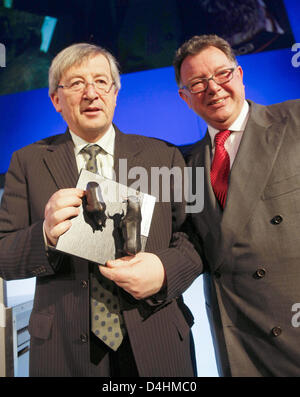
(75, 55)
(197, 44)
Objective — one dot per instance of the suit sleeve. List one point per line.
(22, 247)
(181, 261)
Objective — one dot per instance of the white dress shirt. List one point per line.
(233, 141)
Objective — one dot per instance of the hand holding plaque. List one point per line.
(114, 220)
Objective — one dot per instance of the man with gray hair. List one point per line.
(127, 318)
(247, 234)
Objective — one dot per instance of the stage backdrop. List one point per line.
(149, 104)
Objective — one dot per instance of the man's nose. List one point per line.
(90, 91)
(212, 86)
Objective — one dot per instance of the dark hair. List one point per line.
(197, 44)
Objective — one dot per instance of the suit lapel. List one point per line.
(127, 148)
(60, 160)
(211, 214)
(212, 210)
(258, 149)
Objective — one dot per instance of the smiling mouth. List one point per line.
(217, 101)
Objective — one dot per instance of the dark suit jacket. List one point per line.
(59, 323)
(252, 249)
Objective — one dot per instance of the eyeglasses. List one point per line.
(220, 77)
(100, 85)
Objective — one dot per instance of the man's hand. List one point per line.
(61, 206)
(141, 275)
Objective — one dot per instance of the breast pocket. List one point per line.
(40, 325)
(284, 186)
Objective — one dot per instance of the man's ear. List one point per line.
(185, 97)
(116, 96)
(240, 72)
(56, 102)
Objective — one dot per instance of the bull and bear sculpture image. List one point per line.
(129, 225)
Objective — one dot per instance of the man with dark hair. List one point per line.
(125, 319)
(247, 234)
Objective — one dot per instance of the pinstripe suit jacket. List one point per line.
(251, 250)
(59, 323)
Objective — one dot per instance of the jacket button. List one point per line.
(260, 273)
(276, 331)
(217, 274)
(83, 338)
(276, 220)
(84, 283)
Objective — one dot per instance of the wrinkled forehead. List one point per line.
(208, 60)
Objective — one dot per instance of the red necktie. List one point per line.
(220, 167)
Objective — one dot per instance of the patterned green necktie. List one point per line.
(106, 319)
(93, 152)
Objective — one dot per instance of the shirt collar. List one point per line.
(106, 142)
(238, 125)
